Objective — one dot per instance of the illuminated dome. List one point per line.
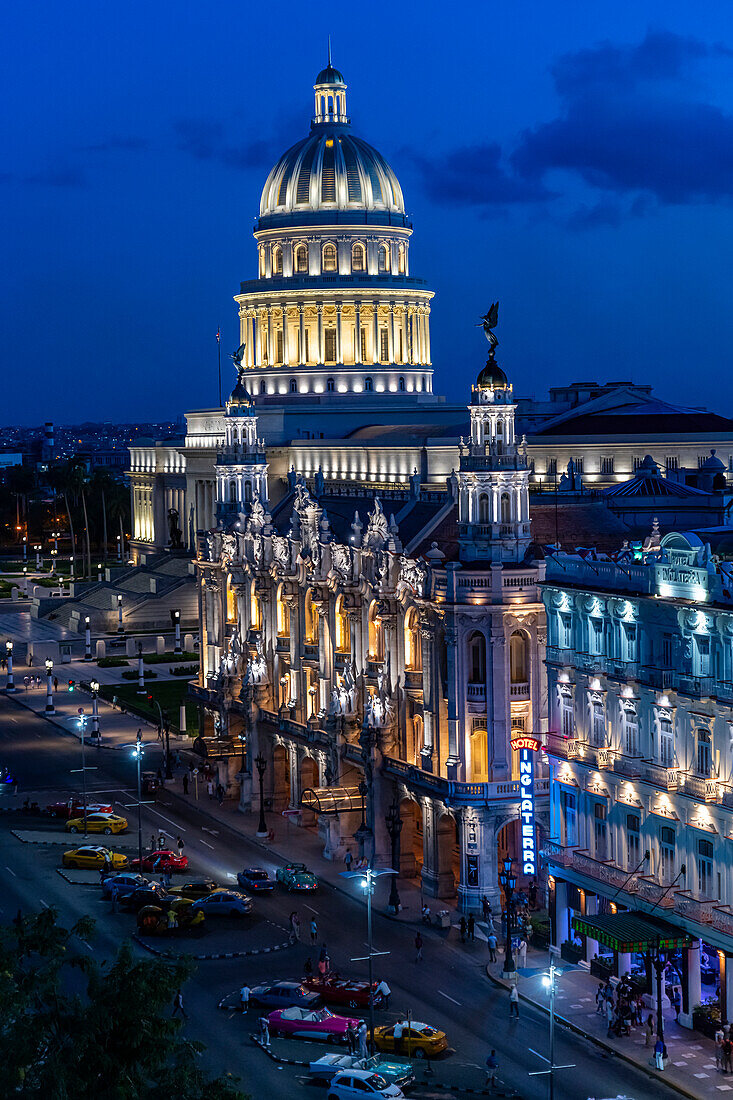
(491, 375)
(331, 169)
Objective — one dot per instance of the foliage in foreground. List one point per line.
(71, 1029)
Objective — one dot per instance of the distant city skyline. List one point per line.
(575, 164)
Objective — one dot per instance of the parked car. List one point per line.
(255, 878)
(161, 860)
(303, 1023)
(397, 1073)
(195, 888)
(418, 1040)
(336, 990)
(93, 856)
(97, 823)
(153, 919)
(151, 894)
(73, 807)
(284, 995)
(122, 884)
(225, 903)
(296, 876)
(362, 1083)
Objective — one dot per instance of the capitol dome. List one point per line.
(331, 169)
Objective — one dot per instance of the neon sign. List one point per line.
(527, 746)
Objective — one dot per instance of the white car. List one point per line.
(363, 1084)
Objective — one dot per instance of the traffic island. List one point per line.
(252, 937)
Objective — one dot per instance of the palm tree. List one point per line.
(118, 506)
(103, 484)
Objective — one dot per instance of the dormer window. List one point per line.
(357, 257)
(382, 258)
(277, 260)
(301, 259)
(329, 257)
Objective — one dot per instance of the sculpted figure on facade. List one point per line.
(415, 575)
(256, 672)
(281, 551)
(377, 527)
(341, 559)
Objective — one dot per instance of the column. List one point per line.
(559, 914)
(691, 987)
(321, 348)
(726, 987)
(339, 345)
(301, 316)
(256, 337)
(427, 640)
(391, 334)
(427, 335)
(375, 332)
(453, 762)
(286, 342)
(405, 336)
(590, 910)
(270, 347)
(357, 332)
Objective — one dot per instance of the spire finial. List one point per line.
(329, 51)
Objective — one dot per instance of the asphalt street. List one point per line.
(448, 990)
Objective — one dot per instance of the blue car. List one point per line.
(255, 878)
(123, 884)
(223, 903)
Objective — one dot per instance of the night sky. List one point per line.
(573, 160)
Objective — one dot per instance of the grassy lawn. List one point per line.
(169, 693)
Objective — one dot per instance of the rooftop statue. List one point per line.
(488, 323)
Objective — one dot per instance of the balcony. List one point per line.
(567, 748)
(558, 655)
(413, 679)
(707, 790)
(660, 678)
(456, 793)
(519, 691)
(476, 691)
(701, 687)
(667, 779)
(621, 670)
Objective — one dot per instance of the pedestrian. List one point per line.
(659, 1054)
(362, 1033)
(308, 968)
(609, 1016)
(219, 793)
(462, 925)
(185, 782)
(727, 1051)
(178, 1005)
(485, 907)
(492, 941)
(314, 932)
(718, 1049)
(649, 1032)
(324, 953)
(471, 926)
(30, 660)
(244, 998)
(348, 858)
(492, 1067)
(418, 947)
(600, 998)
(522, 952)
(167, 878)
(161, 840)
(514, 1002)
(210, 788)
(676, 1003)
(153, 845)
(55, 683)
(265, 1032)
(351, 1038)
(179, 845)
(386, 992)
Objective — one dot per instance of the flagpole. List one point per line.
(218, 346)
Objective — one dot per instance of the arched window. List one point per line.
(255, 614)
(484, 513)
(703, 752)
(301, 258)
(382, 258)
(232, 490)
(293, 386)
(506, 508)
(413, 648)
(231, 602)
(402, 385)
(357, 257)
(417, 738)
(518, 663)
(248, 492)
(376, 641)
(401, 259)
(368, 385)
(343, 634)
(329, 257)
(283, 615)
(277, 260)
(262, 386)
(310, 617)
(330, 385)
(477, 659)
(479, 756)
(422, 383)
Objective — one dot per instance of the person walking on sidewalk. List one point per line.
(351, 1038)
(522, 952)
(514, 1002)
(418, 947)
(609, 1015)
(600, 998)
(244, 997)
(210, 788)
(185, 782)
(492, 942)
(727, 1052)
(178, 1005)
(179, 845)
(492, 1067)
(314, 932)
(362, 1034)
(295, 926)
(649, 1032)
(718, 1049)
(348, 858)
(462, 926)
(659, 1054)
(471, 927)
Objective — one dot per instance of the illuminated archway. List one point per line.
(310, 619)
(376, 637)
(413, 648)
(231, 602)
(255, 612)
(283, 615)
(343, 634)
(411, 839)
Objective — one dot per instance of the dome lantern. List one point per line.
(330, 92)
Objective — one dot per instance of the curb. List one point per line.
(71, 882)
(206, 958)
(51, 843)
(597, 1042)
(276, 1057)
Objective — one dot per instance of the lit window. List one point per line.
(382, 258)
(277, 260)
(368, 384)
(357, 257)
(301, 258)
(329, 257)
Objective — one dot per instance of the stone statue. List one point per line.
(174, 530)
(488, 323)
(237, 357)
(191, 527)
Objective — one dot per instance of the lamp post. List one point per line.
(140, 670)
(38, 557)
(94, 685)
(50, 709)
(283, 695)
(261, 768)
(119, 549)
(137, 752)
(10, 684)
(25, 548)
(394, 828)
(177, 624)
(87, 638)
(368, 876)
(549, 983)
(243, 746)
(120, 627)
(508, 881)
(71, 567)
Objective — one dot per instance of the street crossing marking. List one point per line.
(43, 903)
(312, 909)
(12, 872)
(208, 845)
(531, 1051)
(455, 1002)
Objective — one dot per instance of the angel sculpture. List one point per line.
(237, 356)
(488, 323)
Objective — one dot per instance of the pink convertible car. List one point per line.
(304, 1023)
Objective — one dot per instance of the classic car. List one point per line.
(255, 878)
(284, 995)
(94, 857)
(195, 888)
(304, 1023)
(397, 1073)
(296, 876)
(153, 919)
(224, 903)
(417, 1039)
(336, 990)
(150, 894)
(97, 823)
(163, 859)
(74, 806)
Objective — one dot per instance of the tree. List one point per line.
(72, 1028)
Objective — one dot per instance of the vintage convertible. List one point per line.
(303, 1023)
(336, 990)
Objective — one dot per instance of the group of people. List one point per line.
(358, 864)
(723, 1049)
(356, 1039)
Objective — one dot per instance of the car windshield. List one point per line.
(256, 874)
(377, 1082)
(324, 1014)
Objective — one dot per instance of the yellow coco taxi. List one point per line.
(98, 823)
(414, 1039)
(94, 856)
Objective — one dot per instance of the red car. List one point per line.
(73, 807)
(162, 860)
(336, 990)
(304, 1023)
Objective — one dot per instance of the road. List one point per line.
(449, 989)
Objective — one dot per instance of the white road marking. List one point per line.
(43, 903)
(310, 907)
(175, 826)
(208, 845)
(455, 1002)
(538, 1055)
(12, 872)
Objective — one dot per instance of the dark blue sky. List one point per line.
(574, 160)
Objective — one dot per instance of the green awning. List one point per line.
(627, 932)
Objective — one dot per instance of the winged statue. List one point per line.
(488, 323)
(237, 357)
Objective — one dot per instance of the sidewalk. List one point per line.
(691, 1067)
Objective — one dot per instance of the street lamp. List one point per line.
(138, 752)
(71, 567)
(120, 627)
(25, 548)
(94, 685)
(87, 638)
(261, 769)
(243, 746)
(37, 549)
(10, 685)
(119, 549)
(394, 828)
(49, 687)
(508, 881)
(283, 694)
(368, 876)
(176, 614)
(140, 670)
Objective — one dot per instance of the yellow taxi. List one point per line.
(94, 857)
(98, 823)
(413, 1039)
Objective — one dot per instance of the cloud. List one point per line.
(205, 139)
(628, 124)
(474, 175)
